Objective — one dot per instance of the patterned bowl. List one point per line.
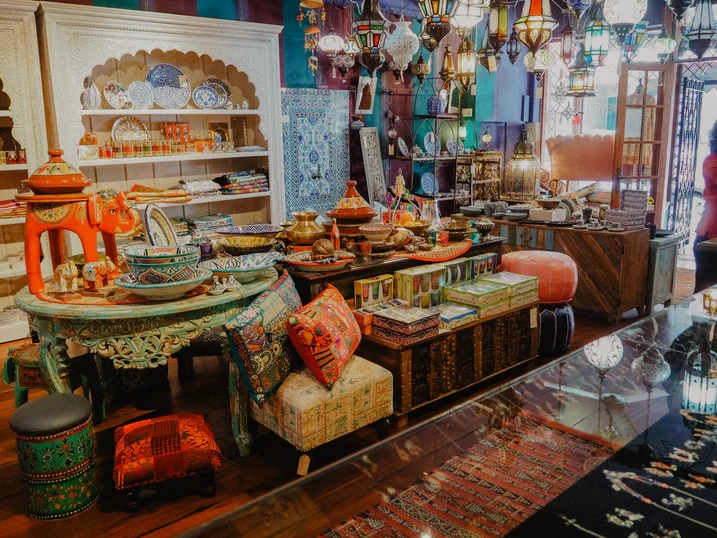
(237, 245)
(376, 233)
(258, 230)
(162, 254)
(244, 268)
(163, 273)
(303, 262)
(162, 292)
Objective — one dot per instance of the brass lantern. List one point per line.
(536, 24)
(520, 182)
(370, 35)
(466, 74)
(421, 69)
(448, 71)
(498, 24)
(437, 25)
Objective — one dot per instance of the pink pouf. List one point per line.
(557, 273)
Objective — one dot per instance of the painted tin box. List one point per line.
(406, 325)
(421, 286)
(477, 293)
(364, 316)
(517, 284)
(371, 291)
(483, 265)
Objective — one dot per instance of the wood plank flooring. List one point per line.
(174, 509)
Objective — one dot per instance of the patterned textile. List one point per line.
(326, 334)
(306, 415)
(557, 273)
(557, 327)
(258, 340)
(316, 147)
(157, 449)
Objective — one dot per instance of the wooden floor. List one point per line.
(170, 511)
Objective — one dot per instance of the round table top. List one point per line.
(32, 305)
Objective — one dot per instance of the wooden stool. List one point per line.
(56, 450)
(154, 450)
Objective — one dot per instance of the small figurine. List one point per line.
(216, 288)
(95, 275)
(232, 284)
(66, 277)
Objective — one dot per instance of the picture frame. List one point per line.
(365, 95)
(373, 165)
(465, 102)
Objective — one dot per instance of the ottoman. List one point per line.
(56, 450)
(158, 449)
(557, 273)
(557, 326)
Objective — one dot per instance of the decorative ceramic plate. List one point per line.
(158, 227)
(205, 97)
(432, 144)
(403, 147)
(265, 230)
(244, 268)
(220, 82)
(472, 210)
(129, 128)
(428, 183)
(162, 292)
(171, 86)
(116, 95)
(454, 145)
(302, 261)
(221, 93)
(141, 95)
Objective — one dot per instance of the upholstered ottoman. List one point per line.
(557, 326)
(56, 450)
(154, 450)
(557, 273)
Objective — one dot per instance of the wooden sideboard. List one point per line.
(612, 266)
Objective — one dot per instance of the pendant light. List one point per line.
(343, 62)
(535, 26)
(520, 182)
(579, 6)
(582, 76)
(597, 36)
(679, 7)
(370, 35)
(699, 384)
(513, 47)
(566, 44)
(623, 15)
(421, 69)
(448, 70)
(402, 44)
(702, 30)
(437, 15)
(634, 41)
(331, 43)
(468, 13)
(466, 64)
(664, 46)
(486, 56)
(498, 24)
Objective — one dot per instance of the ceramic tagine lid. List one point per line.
(57, 177)
(352, 207)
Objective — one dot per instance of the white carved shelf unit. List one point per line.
(22, 121)
(117, 44)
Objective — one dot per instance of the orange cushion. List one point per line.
(557, 273)
(325, 334)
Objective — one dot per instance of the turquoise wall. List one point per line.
(124, 4)
(216, 9)
(296, 60)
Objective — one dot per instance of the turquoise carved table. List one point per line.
(131, 336)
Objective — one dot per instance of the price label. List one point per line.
(534, 317)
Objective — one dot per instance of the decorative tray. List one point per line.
(129, 128)
(158, 227)
(162, 292)
(303, 262)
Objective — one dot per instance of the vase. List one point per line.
(90, 97)
(437, 104)
(306, 230)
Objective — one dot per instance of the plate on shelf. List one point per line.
(162, 292)
(158, 227)
(129, 128)
(221, 93)
(205, 97)
(116, 95)
(220, 82)
(171, 86)
(428, 183)
(455, 146)
(403, 147)
(141, 95)
(432, 144)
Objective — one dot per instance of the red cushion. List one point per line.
(156, 449)
(557, 273)
(325, 334)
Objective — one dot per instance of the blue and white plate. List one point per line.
(141, 95)
(220, 82)
(244, 268)
(205, 97)
(428, 183)
(171, 86)
(222, 96)
(403, 147)
(455, 146)
(432, 144)
(267, 230)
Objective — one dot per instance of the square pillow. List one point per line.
(258, 341)
(326, 334)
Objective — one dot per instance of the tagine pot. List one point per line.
(57, 177)
(305, 230)
(352, 208)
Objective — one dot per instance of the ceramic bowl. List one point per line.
(258, 230)
(302, 261)
(244, 268)
(376, 233)
(472, 210)
(162, 254)
(238, 245)
(515, 216)
(162, 292)
(418, 227)
(163, 273)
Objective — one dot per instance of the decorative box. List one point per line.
(455, 315)
(370, 291)
(364, 316)
(516, 301)
(516, 284)
(549, 215)
(483, 265)
(421, 286)
(458, 270)
(493, 309)
(476, 293)
(406, 325)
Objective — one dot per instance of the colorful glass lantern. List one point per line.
(421, 69)
(370, 35)
(604, 353)
(699, 384)
(437, 25)
(520, 182)
(402, 44)
(634, 40)
(597, 37)
(623, 15)
(579, 6)
(582, 76)
(566, 44)
(535, 26)
(466, 63)
(498, 24)
(679, 7)
(486, 56)
(664, 46)
(467, 15)
(448, 70)
(702, 31)
(513, 47)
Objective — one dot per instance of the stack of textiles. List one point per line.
(10, 209)
(244, 182)
(181, 227)
(205, 225)
(199, 187)
(147, 195)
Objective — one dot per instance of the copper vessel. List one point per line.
(305, 230)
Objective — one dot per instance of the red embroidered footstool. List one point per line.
(159, 449)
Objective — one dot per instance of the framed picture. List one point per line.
(365, 95)
(466, 101)
(373, 165)
(219, 132)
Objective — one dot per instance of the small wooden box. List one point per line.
(406, 325)
(364, 316)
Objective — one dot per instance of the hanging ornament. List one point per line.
(623, 15)
(467, 15)
(579, 6)
(498, 24)
(402, 44)
(370, 35)
(421, 69)
(436, 26)
(343, 62)
(664, 46)
(331, 43)
(566, 44)
(448, 70)
(535, 25)
(311, 6)
(702, 30)
(486, 56)
(311, 42)
(679, 7)
(597, 36)
(634, 41)
(513, 47)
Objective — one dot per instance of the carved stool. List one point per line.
(154, 450)
(56, 450)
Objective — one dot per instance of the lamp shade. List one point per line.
(520, 182)
(702, 30)
(604, 353)
(623, 15)
(699, 384)
(468, 13)
(402, 44)
(498, 24)
(535, 25)
(370, 35)
(331, 43)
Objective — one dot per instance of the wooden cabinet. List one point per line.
(662, 271)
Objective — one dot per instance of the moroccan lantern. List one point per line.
(351, 47)
(486, 56)
(582, 77)
(702, 30)
(466, 74)
(566, 44)
(535, 25)
(634, 40)
(699, 384)
(331, 43)
(437, 25)
(343, 62)
(402, 44)
(520, 182)
(664, 46)
(370, 35)
(513, 47)
(597, 36)
(623, 15)
(421, 69)
(679, 7)
(498, 24)
(467, 15)
(448, 70)
(579, 6)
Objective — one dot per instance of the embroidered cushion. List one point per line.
(258, 342)
(325, 334)
(161, 448)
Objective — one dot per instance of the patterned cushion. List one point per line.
(258, 342)
(557, 273)
(325, 334)
(161, 448)
(306, 415)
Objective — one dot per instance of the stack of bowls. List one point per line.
(162, 264)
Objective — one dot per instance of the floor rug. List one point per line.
(488, 490)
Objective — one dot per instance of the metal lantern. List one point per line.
(582, 77)
(566, 44)
(664, 46)
(466, 74)
(520, 182)
(402, 44)
(486, 56)
(467, 15)
(699, 384)
(535, 26)
(634, 40)
(370, 35)
(702, 31)
(498, 24)
(331, 43)
(437, 25)
(579, 6)
(597, 36)
(513, 47)
(421, 69)
(679, 7)
(448, 70)
(623, 15)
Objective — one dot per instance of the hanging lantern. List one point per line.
(597, 36)
(702, 30)
(486, 56)
(467, 15)
(604, 353)
(402, 44)
(566, 44)
(513, 47)
(520, 182)
(498, 24)
(311, 6)
(343, 62)
(351, 47)
(664, 46)
(370, 35)
(699, 384)
(466, 63)
(421, 69)
(582, 77)
(623, 15)
(535, 26)
(331, 43)
(634, 40)
(579, 6)
(679, 7)
(448, 70)
(437, 25)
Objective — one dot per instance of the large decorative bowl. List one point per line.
(162, 254)
(418, 227)
(238, 245)
(513, 216)
(162, 292)
(257, 230)
(163, 273)
(303, 261)
(472, 210)
(244, 268)
(376, 233)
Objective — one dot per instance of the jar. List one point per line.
(147, 147)
(128, 148)
(157, 147)
(305, 230)
(117, 150)
(166, 147)
(430, 214)
(105, 151)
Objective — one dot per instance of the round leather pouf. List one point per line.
(56, 450)
(557, 326)
(557, 273)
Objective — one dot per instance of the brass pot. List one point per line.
(305, 230)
